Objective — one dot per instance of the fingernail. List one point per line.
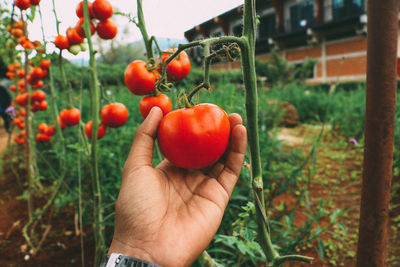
(152, 110)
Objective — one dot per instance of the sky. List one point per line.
(164, 18)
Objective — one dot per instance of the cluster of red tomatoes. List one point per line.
(45, 132)
(105, 28)
(25, 4)
(112, 115)
(37, 98)
(141, 81)
(19, 121)
(191, 138)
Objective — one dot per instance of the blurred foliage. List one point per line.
(279, 72)
(123, 53)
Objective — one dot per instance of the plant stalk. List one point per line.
(95, 99)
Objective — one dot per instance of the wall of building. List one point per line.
(339, 60)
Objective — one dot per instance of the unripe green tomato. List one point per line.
(83, 46)
(74, 49)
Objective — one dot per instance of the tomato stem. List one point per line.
(54, 104)
(98, 227)
(142, 27)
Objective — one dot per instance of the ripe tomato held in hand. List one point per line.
(106, 29)
(102, 9)
(179, 67)
(138, 79)
(194, 138)
(114, 115)
(162, 101)
(100, 133)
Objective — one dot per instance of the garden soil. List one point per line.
(337, 176)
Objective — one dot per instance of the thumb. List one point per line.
(141, 153)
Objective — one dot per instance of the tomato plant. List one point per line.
(162, 101)
(195, 137)
(138, 79)
(114, 115)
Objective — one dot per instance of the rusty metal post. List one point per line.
(382, 33)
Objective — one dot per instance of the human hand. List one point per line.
(168, 215)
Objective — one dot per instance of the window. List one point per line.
(346, 8)
(267, 26)
(238, 30)
(301, 15)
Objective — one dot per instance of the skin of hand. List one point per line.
(168, 215)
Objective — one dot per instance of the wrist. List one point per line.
(118, 246)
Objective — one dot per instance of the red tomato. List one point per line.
(42, 127)
(162, 101)
(50, 131)
(100, 133)
(114, 115)
(43, 138)
(73, 36)
(43, 105)
(38, 84)
(19, 25)
(21, 125)
(79, 9)
(21, 73)
(196, 137)
(71, 116)
(19, 140)
(102, 9)
(138, 79)
(17, 32)
(22, 99)
(45, 63)
(80, 30)
(179, 67)
(13, 87)
(23, 4)
(35, 2)
(62, 124)
(106, 29)
(28, 45)
(38, 95)
(61, 42)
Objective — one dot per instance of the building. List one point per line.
(331, 31)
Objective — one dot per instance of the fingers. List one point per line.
(234, 159)
(214, 171)
(141, 153)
